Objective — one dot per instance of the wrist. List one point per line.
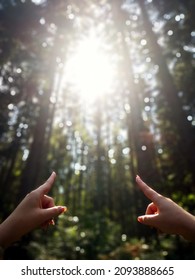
(188, 229)
(5, 235)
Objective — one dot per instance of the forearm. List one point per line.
(9, 232)
(187, 229)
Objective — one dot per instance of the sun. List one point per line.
(90, 69)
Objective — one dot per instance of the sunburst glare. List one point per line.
(90, 69)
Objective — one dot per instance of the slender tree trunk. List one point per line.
(32, 172)
(140, 162)
(99, 198)
(80, 182)
(109, 175)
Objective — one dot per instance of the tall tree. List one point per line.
(179, 130)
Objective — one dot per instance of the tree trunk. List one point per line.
(181, 148)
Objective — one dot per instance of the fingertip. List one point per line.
(51, 177)
(45, 188)
(50, 213)
(62, 209)
(140, 219)
(137, 178)
(51, 222)
(53, 174)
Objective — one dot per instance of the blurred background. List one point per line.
(97, 91)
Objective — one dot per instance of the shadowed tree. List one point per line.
(178, 133)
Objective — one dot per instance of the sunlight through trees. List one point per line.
(98, 91)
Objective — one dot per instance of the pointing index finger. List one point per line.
(45, 188)
(149, 192)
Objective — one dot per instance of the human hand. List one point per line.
(36, 209)
(166, 215)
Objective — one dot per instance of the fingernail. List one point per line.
(62, 209)
(51, 222)
(140, 219)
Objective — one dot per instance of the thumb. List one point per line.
(53, 212)
(149, 220)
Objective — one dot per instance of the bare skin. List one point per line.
(36, 209)
(165, 215)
